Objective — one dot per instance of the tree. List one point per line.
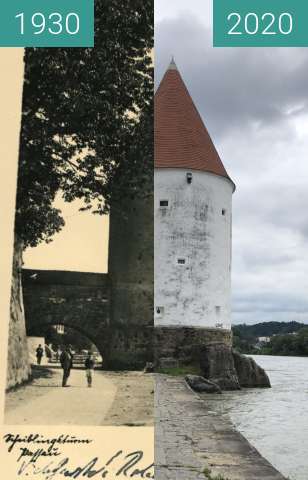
(288, 344)
(87, 120)
(243, 344)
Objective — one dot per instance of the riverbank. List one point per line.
(193, 441)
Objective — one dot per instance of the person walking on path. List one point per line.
(89, 366)
(39, 354)
(66, 360)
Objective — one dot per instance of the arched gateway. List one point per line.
(83, 301)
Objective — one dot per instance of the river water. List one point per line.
(275, 420)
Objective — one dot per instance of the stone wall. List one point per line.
(131, 262)
(131, 348)
(210, 350)
(82, 301)
(131, 271)
(76, 299)
(185, 343)
(18, 366)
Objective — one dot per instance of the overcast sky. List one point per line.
(255, 105)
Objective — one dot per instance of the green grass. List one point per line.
(207, 472)
(180, 371)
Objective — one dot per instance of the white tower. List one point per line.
(193, 214)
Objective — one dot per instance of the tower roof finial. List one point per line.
(172, 65)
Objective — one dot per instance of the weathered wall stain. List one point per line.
(194, 227)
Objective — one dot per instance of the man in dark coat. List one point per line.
(89, 366)
(66, 360)
(39, 354)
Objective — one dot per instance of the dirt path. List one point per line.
(110, 401)
(134, 401)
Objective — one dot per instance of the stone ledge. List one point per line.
(192, 437)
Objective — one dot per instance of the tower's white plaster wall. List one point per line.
(192, 227)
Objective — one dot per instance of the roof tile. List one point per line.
(181, 139)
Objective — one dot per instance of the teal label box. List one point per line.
(260, 23)
(47, 23)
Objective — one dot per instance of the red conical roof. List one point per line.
(180, 137)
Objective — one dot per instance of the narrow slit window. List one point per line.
(164, 203)
(223, 211)
(189, 177)
(218, 310)
(181, 261)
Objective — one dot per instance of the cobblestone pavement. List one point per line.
(191, 439)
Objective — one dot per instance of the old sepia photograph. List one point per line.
(80, 348)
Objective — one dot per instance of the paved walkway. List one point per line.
(191, 440)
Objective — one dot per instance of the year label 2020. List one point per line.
(254, 24)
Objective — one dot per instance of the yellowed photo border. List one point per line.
(115, 452)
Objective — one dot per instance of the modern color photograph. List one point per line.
(231, 279)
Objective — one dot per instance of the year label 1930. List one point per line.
(47, 23)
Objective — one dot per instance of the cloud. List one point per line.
(233, 86)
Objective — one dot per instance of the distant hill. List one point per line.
(266, 329)
(286, 338)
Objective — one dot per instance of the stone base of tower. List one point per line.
(208, 350)
(184, 344)
(130, 348)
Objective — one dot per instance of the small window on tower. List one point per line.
(217, 309)
(164, 203)
(181, 261)
(189, 177)
(223, 212)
